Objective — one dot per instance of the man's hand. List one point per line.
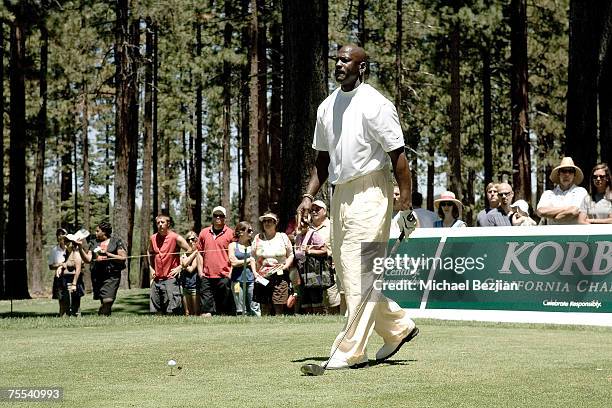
(303, 211)
(175, 271)
(407, 222)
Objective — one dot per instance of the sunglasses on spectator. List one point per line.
(315, 210)
(191, 239)
(218, 216)
(569, 170)
(597, 176)
(505, 193)
(446, 204)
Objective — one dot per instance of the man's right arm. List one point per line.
(318, 176)
(151, 261)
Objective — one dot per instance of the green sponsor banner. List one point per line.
(551, 273)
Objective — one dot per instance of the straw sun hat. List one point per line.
(448, 196)
(565, 163)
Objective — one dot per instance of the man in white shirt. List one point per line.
(358, 139)
(566, 203)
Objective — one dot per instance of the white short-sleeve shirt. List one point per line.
(573, 196)
(358, 129)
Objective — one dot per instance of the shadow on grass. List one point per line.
(21, 315)
(303, 360)
(128, 303)
(132, 303)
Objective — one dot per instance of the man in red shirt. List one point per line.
(164, 265)
(215, 285)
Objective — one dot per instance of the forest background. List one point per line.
(119, 110)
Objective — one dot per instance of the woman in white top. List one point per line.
(449, 210)
(599, 210)
(274, 257)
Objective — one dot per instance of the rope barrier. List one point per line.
(295, 247)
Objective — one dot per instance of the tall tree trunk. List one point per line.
(86, 175)
(2, 206)
(167, 173)
(85, 156)
(227, 105)
(66, 175)
(109, 165)
(521, 153)
(306, 52)
(398, 57)
(38, 264)
(252, 197)
(16, 268)
(196, 177)
(155, 150)
(584, 40)
(431, 172)
(274, 127)
(487, 140)
(134, 55)
(125, 95)
(187, 162)
(75, 196)
(454, 148)
(263, 149)
(244, 115)
(361, 30)
(469, 198)
(145, 209)
(605, 87)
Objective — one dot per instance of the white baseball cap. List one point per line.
(521, 205)
(319, 204)
(219, 209)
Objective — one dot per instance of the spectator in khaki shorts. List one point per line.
(332, 297)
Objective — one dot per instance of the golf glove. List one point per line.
(407, 222)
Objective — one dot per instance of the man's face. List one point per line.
(318, 215)
(505, 194)
(492, 196)
(218, 220)
(348, 65)
(163, 224)
(566, 177)
(60, 240)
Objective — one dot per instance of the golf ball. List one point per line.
(171, 363)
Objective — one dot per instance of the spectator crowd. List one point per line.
(225, 271)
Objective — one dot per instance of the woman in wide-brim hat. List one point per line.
(449, 210)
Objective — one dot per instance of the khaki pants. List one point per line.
(360, 215)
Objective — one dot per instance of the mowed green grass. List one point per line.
(121, 361)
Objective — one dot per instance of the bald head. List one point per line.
(350, 66)
(356, 52)
(505, 194)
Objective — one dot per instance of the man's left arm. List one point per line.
(401, 170)
(406, 221)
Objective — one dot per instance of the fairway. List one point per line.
(121, 361)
